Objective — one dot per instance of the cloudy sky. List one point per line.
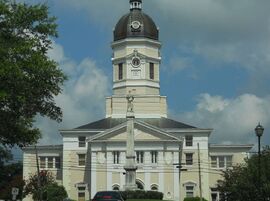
(215, 63)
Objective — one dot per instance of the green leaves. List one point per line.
(29, 80)
(243, 182)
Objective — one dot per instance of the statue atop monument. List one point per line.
(130, 100)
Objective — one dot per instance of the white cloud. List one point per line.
(233, 120)
(83, 97)
(180, 63)
(104, 12)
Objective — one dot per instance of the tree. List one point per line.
(242, 182)
(10, 174)
(54, 192)
(29, 79)
(5, 156)
(37, 184)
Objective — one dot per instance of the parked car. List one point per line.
(108, 196)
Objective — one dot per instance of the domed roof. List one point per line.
(135, 24)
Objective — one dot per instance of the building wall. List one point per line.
(100, 173)
(146, 106)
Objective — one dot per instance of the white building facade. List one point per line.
(92, 156)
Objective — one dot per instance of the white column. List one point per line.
(161, 171)
(176, 176)
(147, 174)
(94, 173)
(109, 170)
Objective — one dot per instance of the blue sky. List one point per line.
(215, 63)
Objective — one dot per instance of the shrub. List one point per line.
(140, 194)
(194, 199)
(55, 192)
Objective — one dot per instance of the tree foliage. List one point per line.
(194, 199)
(37, 186)
(5, 156)
(10, 176)
(242, 183)
(54, 192)
(29, 79)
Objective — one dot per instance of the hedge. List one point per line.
(194, 199)
(140, 194)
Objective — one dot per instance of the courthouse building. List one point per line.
(170, 156)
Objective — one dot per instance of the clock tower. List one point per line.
(136, 62)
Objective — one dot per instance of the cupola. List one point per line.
(135, 24)
(135, 4)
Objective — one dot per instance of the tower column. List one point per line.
(130, 166)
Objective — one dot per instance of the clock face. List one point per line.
(135, 25)
(136, 62)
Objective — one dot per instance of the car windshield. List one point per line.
(107, 195)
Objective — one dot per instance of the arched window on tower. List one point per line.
(151, 71)
(120, 71)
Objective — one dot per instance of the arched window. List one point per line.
(140, 184)
(116, 187)
(154, 187)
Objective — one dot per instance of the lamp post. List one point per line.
(259, 132)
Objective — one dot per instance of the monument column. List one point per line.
(130, 166)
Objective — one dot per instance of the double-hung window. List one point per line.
(116, 157)
(189, 191)
(81, 159)
(221, 161)
(49, 162)
(42, 162)
(120, 71)
(151, 71)
(189, 158)
(154, 156)
(139, 156)
(82, 142)
(189, 140)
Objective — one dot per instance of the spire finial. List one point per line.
(135, 4)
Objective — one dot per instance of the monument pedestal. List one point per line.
(130, 178)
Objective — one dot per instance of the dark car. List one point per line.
(108, 196)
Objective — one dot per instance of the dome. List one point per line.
(135, 24)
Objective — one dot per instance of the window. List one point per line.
(213, 161)
(42, 162)
(189, 140)
(221, 161)
(115, 187)
(81, 161)
(82, 141)
(116, 155)
(154, 156)
(57, 162)
(81, 193)
(139, 156)
(189, 191)
(154, 187)
(49, 162)
(120, 71)
(81, 196)
(189, 158)
(215, 195)
(151, 70)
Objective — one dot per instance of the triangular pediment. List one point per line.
(142, 132)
